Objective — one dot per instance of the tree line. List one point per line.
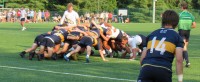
(97, 5)
(138, 10)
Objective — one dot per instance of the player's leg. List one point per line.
(64, 49)
(185, 50)
(88, 49)
(50, 51)
(40, 54)
(22, 23)
(34, 46)
(66, 57)
(55, 49)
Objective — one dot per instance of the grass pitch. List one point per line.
(15, 69)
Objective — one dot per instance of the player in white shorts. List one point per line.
(136, 44)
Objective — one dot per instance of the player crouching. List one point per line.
(37, 42)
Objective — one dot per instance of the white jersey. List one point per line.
(115, 34)
(70, 17)
(23, 14)
(134, 41)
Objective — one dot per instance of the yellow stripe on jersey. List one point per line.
(156, 66)
(61, 36)
(170, 47)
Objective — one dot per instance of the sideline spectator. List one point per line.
(47, 16)
(110, 16)
(18, 14)
(39, 16)
(13, 15)
(43, 16)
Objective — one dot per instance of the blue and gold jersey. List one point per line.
(59, 36)
(161, 45)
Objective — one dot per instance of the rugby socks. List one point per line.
(185, 56)
(87, 56)
(104, 52)
(110, 50)
(68, 55)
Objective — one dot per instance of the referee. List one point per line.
(186, 22)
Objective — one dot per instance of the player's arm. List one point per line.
(144, 52)
(103, 36)
(56, 48)
(63, 18)
(194, 25)
(179, 63)
(78, 19)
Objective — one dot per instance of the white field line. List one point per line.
(54, 72)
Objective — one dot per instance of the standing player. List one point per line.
(70, 16)
(162, 46)
(23, 18)
(184, 27)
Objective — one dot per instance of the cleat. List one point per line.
(111, 55)
(92, 52)
(187, 65)
(66, 58)
(87, 60)
(39, 57)
(22, 54)
(31, 55)
(54, 57)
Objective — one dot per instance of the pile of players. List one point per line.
(68, 40)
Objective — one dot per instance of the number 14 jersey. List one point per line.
(161, 46)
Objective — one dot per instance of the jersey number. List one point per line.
(160, 47)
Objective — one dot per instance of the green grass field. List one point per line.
(15, 69)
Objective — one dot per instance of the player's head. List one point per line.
(184, 5)
(124, 40)
(69, 6)
(108, 32)
(170, 18)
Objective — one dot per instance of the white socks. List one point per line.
(68, 54)
(87, 56)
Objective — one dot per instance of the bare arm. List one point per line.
(144, 53)
(179, 64)
(193, 24)
(78, 20)
(63, 18)
(103, 36)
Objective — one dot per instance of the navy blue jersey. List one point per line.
(161, 45)
(59, 36)
(95, 31)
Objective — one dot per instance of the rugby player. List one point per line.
(162, 46)
(91, 39)
(37, 43)
(186, 22)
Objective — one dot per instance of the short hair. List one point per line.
(124, 38)
(69, 5)
(184, 5)
(170, 17)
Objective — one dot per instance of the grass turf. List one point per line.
(13, 41)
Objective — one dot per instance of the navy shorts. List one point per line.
(85, 41)
(47, 42)
(154, 74)
(22, 19)
(38, 40)
(185, 34)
